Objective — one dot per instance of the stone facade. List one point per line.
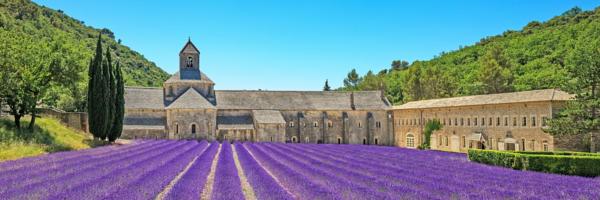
(509, 121)
(188, 107)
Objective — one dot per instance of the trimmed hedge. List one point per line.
(568, 163)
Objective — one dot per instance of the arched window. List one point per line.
(193, 128)
(176, 128)
(376, 141)
(330, 124)
(315, 124)
(545, 145)
(294, 139)
(364, 141)
(339, 140)
(271, 138)
(190, 62)
(410, 140)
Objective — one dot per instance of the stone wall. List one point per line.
(345, 127)
(75, 120)
(181, 122)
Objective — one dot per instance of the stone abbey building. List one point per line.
(188, 107)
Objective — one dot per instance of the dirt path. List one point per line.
(207, 192)
(271, 174)
(162, 194)
(246, 188)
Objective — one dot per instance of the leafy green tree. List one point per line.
(326, 87)
(580, 117)
(119, 105)
(495, 72)
(31, 67)
(352, 80)
(372, 82)
(430, 127)
(399, 64)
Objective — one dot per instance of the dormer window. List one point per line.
(189, 62)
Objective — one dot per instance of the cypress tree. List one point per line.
(110, 98)
(95, 117)
(119, 105)
(106, 100)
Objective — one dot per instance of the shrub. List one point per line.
(568, 163)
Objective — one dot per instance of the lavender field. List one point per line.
(167, 169)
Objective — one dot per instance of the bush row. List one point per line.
(568, 163)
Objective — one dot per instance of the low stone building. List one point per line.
(187, 106)
(507, 121)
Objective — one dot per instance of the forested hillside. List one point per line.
(536, 57)
(31, 32)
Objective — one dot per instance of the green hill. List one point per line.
(535, 57)
(25, 19)
(49, 135)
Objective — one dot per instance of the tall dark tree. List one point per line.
(117, 128)
(326, 87)
(97, 94)
(111, 89)
(352, 79)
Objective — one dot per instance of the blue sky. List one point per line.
(296, 45)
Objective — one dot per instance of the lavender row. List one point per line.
(527, 184)
(118, 177)
(469, 179)
(227, 182)
(44, 168)
(7, 167)
(263, 184)
(327, 177)
(152, 183)
(360, 179)
(191, 184)
(298, 184)
(59, 182)
(35, 178)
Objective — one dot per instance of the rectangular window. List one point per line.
(533, 121)
(514, 121)
(482, 121)
(464, 141)
(468, 121)
(498, 121)
(455, 122)
(490, 122)
(524, 121)
(444, 123)
(291, 124)
(330, 124)
(378, 124)
(316, 124)
(462, 121)
(475, 121)
(505, 121)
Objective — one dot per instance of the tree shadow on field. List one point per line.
(9, 134)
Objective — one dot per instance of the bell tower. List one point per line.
(189, 62)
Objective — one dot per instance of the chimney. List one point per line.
(352, 101)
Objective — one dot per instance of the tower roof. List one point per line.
(189, 47)
(191, 100)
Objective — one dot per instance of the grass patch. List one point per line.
(48, 136)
